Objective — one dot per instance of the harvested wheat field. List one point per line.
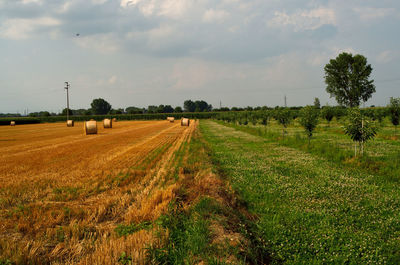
(63, 193)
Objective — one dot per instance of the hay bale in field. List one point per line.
(114, 120)
(70, 123)
(185, 122)
(107, 123)
(12, 123)
(170, 119)
(90, 127)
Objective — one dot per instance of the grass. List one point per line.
(188, 240)
(205, 223)
(124, 230)
(382, 157)
(311, 210)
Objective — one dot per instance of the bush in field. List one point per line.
(253, 118)
(309, 120)
(264, 117)
(379, 115)
(375, 114)
(328, 113)
(243, 119)
(395, 111)
(283, 117)
(359, 128)
(339, 112)
(317, 103)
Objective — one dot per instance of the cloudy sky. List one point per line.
(143, 52)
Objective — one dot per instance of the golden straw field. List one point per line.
(63, 193)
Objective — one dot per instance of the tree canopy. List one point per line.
(100, 106)
(347, 79)
(196, 106)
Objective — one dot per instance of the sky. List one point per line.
(151, 52)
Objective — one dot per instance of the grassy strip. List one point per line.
(189, 237)
(310, 210)
(386, 168)
(204, 223)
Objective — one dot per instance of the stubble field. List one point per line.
(63, 194)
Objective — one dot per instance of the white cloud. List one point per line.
(161, 32)
(126, 3)
(191, 74)
(32, 1)
(169, 8)
(213, 15)
(305, 19)
(387, 56)
(370, 13)
(103, 43)
(21, 28)
(113, 79)
(99, 2)
(286, 69)
(174, 8)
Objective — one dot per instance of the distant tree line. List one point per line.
(102, 107)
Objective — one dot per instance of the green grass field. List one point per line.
(311, 207)
(381, 156)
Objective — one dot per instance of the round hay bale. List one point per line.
(107, 123)
(90, 127)
(170, 119)
(185, 122)
(12, 123)
(114, 120)
(70, 123)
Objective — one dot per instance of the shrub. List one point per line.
(395, 111)
(359, 128)
(309, 120)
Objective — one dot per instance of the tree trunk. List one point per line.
(362, 138)
(355, 149)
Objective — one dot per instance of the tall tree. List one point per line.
(152, 109)
(160, 109)
(347, 79)
(168, 109)
(189, 106)
(133, 110)
(201, 105)
(64, 112)
(100, 106)
(178, 109)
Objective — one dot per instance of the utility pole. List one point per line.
(220, 105)
(67, 88)
(284, 98)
